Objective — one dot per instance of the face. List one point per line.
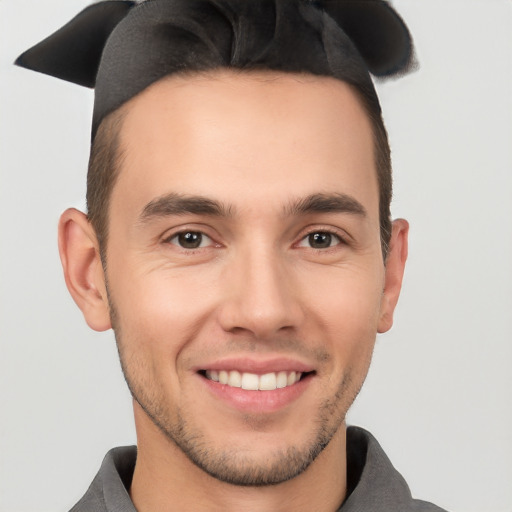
(244, 267)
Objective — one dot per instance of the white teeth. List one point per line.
(252, 381)
(235, 379)
(282, 380)
(268, 382)
(212, 375)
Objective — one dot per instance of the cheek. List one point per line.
(344, 294)
(160, 310)
(345, 304)
(156, 321)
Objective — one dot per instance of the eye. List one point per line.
(320, 240)
(190, 240)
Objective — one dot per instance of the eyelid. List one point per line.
(322, 228)
(176, 231)
(204, 240)
(342, 235)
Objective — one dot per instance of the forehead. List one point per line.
(261, 135)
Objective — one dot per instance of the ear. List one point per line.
(395, 266)
(83, 271)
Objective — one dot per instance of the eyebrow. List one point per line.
(326, 203)
(179, 204)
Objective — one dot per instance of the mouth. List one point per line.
(255, 382)
(254, 386)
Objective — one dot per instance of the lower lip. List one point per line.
(258, 401)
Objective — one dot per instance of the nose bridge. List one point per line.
(261, 297)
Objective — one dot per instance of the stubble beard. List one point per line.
(229, 465)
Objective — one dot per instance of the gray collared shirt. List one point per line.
(374, 485)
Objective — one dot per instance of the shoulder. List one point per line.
(108, 491)
(372, 481)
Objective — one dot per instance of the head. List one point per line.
(238, 241)
(244, 236)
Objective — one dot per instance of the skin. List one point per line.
(256, 291)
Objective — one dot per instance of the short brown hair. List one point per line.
(104, 165)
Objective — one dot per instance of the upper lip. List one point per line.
(257, 366)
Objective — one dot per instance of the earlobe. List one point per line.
(395, 266)
(83, 272)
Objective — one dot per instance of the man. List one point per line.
(238, 241)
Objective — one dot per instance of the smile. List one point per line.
(253, 381)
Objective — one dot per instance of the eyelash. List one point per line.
(168, 240)
(324, 231)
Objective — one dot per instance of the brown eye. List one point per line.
(320, 240)
(190, 240)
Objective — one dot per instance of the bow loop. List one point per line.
(73, 52)
(378, 32)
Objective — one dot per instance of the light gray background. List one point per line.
(439, 394)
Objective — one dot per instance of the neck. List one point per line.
(166, 480)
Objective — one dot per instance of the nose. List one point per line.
(261, 296)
